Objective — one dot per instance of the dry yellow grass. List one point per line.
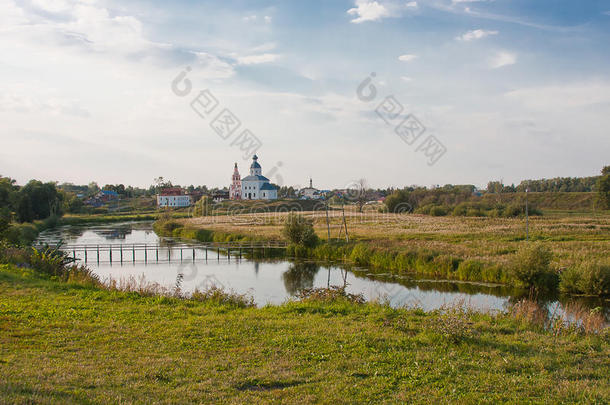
(572, 239)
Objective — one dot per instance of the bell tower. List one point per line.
(235, 190)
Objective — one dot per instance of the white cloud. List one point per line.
(501, 59)
(406, 78)
(257, 59)
(368, 11)
(253, 18)
(406, 57)
(411, 4)
(562, 97)
(475, 34)
(606, 12)
(81, 27)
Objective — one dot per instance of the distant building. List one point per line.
(102, 197)
(220, 196)
(256, 186)
(310, 193)
(174, 197)
(235, 189)
(107, 195)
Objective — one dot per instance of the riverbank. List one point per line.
(25, 233)
(467, 249)
(69, 342)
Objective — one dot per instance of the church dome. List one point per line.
(255, 164)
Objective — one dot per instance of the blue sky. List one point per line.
(512, 89)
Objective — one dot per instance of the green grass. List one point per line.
(69, 343)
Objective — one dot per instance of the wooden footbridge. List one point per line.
(165, 252)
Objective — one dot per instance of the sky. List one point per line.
(426, 92)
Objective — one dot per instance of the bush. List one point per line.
(218, 296)
(531, 268)
(360, 254)
(166, 227)
(569, 280)
(329, 295)
(595, 279)
(438, 211)
(299, 230)
(470, 270)
(21, 234)
(588, 278)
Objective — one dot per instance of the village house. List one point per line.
(174, 197)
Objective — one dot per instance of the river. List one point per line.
(274, 282)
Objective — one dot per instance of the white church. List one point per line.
(252, 187)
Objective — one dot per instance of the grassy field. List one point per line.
(571, 238)
(79, 343)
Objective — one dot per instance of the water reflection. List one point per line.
(299, 276)
(276, 281)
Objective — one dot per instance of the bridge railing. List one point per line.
(129, 251)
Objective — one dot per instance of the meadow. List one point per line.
(465, 248)
(67, 339)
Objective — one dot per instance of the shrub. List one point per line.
(438, 211)
(218, 296)
(21, 234)
(299, 230)
(360, 254)
(569, 280)
(331, 294)
(469, 270)
(531, 268)
(587, 278)
(453, 325)
(513, 210)
(595, 279)
(166, 227)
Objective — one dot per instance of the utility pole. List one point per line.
(527, 222)
(345, 223)
(327, 221)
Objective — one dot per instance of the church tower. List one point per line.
(255, 168)
(235, 190)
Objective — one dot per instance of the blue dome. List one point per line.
(255, 164)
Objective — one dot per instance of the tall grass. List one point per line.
(575, 319)
(591, 278)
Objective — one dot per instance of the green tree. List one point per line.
(299, 230)
(400, 201)
(38, 200)
(71, 203)
(531, 268)
(203, 207)
(603, 189)
(495, 187)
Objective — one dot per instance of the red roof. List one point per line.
(172, 191)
